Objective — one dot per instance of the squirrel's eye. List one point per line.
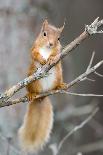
(59, 38)
(45, 34)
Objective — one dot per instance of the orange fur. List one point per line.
(38, 120)
(37, 125)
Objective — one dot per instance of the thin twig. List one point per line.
(75, 112)
(56, 149)
(84, 75)
(3, 138)
(89, 148)
(76, 128)
(98, 74)
(84, 95)
(89, 79)
(91, 61)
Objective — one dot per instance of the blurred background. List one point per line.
(20, 22)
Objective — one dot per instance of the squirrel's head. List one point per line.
(50, 35)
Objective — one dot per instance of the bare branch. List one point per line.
(84, 95)
(91, 61)
(3, 138)
(89, 29)
(89, 66)
(76, 128)
(93, 28)
(75, 112)
(98, 74)
(89, 79)
(84, 75)
(90, 147)
(80, 78)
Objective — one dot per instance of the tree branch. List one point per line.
(89, 148)
(80, 78)
(56, 149)
(89, 30)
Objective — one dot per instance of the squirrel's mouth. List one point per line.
(49, 45)
(48, 48)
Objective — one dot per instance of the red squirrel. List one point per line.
(38, 121)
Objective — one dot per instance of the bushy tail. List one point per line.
(38, 121)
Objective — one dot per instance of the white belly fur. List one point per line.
(45, 52)
(47, 82)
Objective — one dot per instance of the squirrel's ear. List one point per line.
(45, 24)
(61, 28)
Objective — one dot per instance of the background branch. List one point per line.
(56, 149)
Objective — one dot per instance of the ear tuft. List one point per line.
(45, 24)
(61, 28)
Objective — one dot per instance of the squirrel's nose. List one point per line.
(50, 44)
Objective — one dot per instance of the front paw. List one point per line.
(30, 96)
(50, 59)
(63, 86)
(43, 62)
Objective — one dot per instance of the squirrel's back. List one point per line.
(34, 135)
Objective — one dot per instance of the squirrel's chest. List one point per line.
(48, 82)
(45, 52)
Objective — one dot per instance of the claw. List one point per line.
(63, 86)
(30, 96)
